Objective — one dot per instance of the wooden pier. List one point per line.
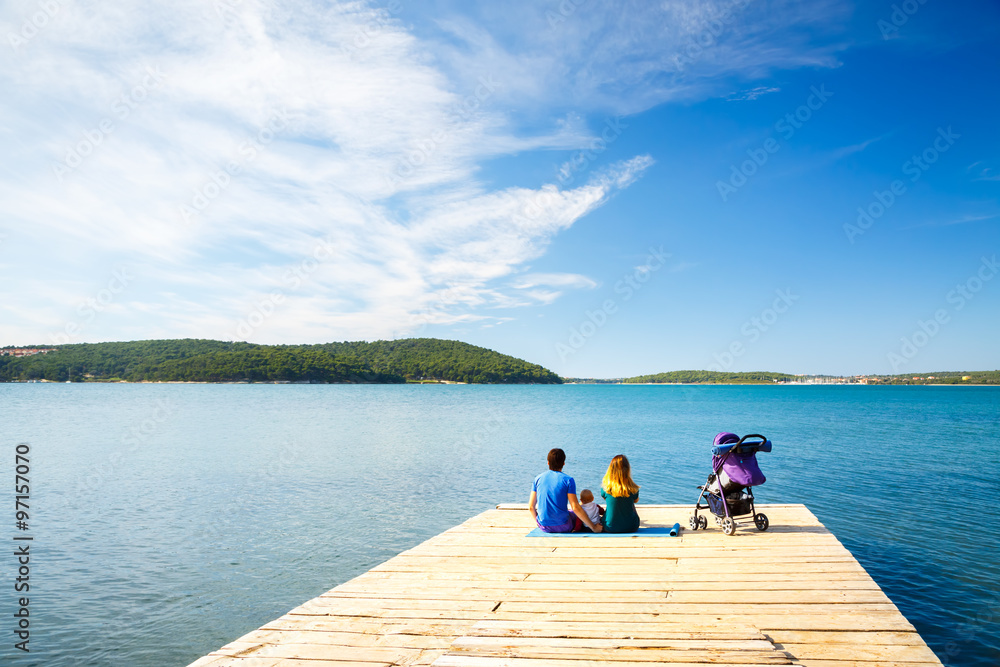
(484, 595)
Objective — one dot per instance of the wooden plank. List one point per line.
(457, 585)
(765, 579)
(661, 630)
(342, 637)
(388, 627)
(807, 662)
(627, 654)
(862, 652)
(711, 643)
(823, 638)
(393, 655)
(459, 660)
(701, 596)
(632, 565)
(583, 549)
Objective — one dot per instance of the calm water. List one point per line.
(171, 519)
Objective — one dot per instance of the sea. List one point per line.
(169, 519)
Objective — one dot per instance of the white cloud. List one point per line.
(570, 280)
(319, 235)
(752, 94)
(346, 136)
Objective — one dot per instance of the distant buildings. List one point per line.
(24, 351)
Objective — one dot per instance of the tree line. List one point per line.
(714, 377)
(195, 360)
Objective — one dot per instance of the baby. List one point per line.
(593, 510)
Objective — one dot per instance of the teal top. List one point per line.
(620, 515)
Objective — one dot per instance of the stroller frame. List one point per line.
(722, 507)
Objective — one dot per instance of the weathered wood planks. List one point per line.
(483, 594)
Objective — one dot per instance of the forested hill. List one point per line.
(712, 377)
(415, 358)
(194, 360)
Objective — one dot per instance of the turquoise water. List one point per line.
(171, 519)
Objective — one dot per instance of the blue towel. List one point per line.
(662, 531)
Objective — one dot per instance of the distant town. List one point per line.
(24, 351)
(708, 377)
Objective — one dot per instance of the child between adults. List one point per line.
(593, 510)
(552, 493)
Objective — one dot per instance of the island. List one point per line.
(769, 377)
(197, 360)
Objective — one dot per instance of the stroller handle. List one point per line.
(754, 442)
(757, 443)
(762, 444)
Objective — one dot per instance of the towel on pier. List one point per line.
(644, 531)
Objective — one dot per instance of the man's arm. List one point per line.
(578, 510)
(531, 505)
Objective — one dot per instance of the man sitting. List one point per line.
(552, 493)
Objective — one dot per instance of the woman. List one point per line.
(621, 493)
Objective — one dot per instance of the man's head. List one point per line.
(586, 496)
(557, 459)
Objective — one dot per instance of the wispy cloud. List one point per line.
(570, 280)
(269, 134)
(628, 57)
(217, 147)
(855, 148)
(752, 94)
(682, 266)
(948, 222)
(981, 172)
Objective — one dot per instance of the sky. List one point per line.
(606, 189)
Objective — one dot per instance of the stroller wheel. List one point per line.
(728, 526)
(760, 520)
(703, 523)
(694, 522)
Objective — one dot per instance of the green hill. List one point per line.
(711, 377)
(415, 358)
(944, 377)
(192, 360)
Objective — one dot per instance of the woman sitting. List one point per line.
(621, 494)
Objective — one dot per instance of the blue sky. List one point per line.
(607, 189)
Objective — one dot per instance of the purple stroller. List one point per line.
(729, 490)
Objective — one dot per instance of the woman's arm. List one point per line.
(578, 510)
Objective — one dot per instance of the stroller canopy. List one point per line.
(739, 459)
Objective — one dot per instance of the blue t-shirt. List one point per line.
(552, 488)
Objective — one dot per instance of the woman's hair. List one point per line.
(618, 479)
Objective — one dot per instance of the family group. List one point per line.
(556, 509)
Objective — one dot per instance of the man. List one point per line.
(551, 493)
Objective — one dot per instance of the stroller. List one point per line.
(729, 490)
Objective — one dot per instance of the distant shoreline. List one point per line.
(781, 384)
(297, 382)
(778, 384)
(399, 361)
(519, 384)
